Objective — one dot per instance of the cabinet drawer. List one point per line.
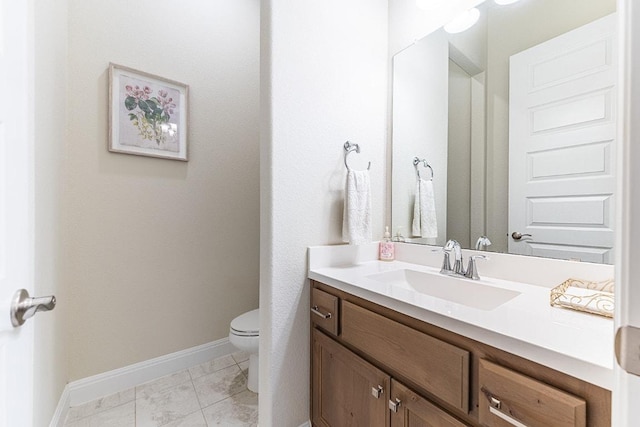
(438, 367)
(508, 398)
(324, 310)
(411, 409)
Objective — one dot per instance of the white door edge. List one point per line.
(625, 411)
(16, 208)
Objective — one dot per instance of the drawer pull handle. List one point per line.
(316, 311)
(377, 391)
(394, 405)
(494, 408)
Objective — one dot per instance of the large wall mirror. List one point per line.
(508, 130)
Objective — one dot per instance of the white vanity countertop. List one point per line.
(575, 343)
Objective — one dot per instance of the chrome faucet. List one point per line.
(471, 272)
(482, 243)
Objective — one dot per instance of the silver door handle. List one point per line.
(24, 307)
(495, 407)
(517, 236)
(315, 310)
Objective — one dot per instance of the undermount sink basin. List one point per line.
(458, 290)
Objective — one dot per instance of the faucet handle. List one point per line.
(472, 270)
(446, 265)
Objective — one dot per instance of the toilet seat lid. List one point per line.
(247, 323)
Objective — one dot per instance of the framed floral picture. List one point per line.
(148, 115)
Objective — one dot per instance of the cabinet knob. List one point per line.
(394, 405)
(377, 391)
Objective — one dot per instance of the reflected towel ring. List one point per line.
(348, 148)
(416, 163)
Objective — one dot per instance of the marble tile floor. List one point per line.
(207, 395)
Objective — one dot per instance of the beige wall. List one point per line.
(160, 254)
(511, 30)
(50, 348)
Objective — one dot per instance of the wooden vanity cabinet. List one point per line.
(439, 378)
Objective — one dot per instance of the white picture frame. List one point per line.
(148, 114)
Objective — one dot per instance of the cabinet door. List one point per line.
(409, 409)
(347, 391)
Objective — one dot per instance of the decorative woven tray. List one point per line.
(582, 295)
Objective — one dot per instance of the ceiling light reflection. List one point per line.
(463, 21)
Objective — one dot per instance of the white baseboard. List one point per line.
(97, 386)
(101, 385)
(306, 424)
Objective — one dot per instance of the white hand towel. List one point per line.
(356, 223)
(425, 223)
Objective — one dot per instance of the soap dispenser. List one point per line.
(386, 249)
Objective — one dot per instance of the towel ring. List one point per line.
(349, 148)
(416, 163)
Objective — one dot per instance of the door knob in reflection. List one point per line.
(517, 235)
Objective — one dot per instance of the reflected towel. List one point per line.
(356, 222)
(425, 223)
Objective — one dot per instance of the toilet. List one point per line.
(244, 334)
